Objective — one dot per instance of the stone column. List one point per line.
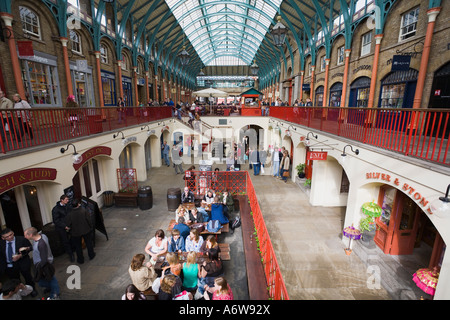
(64, 42)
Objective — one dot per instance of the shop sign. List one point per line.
(306, 87)
(408, 189)
(89, 154)
(18, 178)
(437, 93)
(401, 63)
(315, 155)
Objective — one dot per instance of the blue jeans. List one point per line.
(281, 172)
(52, 285)
(256, 168)
(166, 159)
(276, 168)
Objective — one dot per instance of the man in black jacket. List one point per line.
(79, 223)
(59, 213)
(14, 258)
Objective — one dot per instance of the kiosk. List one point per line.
(251, 102)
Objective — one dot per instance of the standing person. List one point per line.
(79, 223)
(308, 102)
(262, 158)
(276, 162)
(165, 152)
(14, 258)
(121, 109)
(6, 123)
(285, 163)
(23, 117)
(176, 159)
(59, 213)
(43, 262)
(73, 116)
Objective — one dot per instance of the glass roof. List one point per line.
(225, 32)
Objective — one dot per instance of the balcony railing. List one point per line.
(420, 133)
(24, 128)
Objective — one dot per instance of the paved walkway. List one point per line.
(306, 239)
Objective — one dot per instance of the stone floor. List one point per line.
(306, 239)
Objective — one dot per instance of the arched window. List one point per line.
(75, 41)
(103, 54)
(30, 22)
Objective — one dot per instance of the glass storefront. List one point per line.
(318, 102)
(398, 89)
(83, 86)
(335, 95)
(109, 88)
(40, 77)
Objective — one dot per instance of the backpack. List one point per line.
(213, 226)
(236, 223)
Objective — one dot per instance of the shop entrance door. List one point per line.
(397, 227)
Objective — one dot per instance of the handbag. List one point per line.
(199, 226)
(286, 174)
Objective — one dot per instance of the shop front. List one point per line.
(404, 227)
(41, 80)
(109, 88)
(23, 198)
(82, 82)
(127, 85)
(359, 98)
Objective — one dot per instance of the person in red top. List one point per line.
(220, 291)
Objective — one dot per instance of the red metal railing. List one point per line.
(239, 182)
(42, 126)
(421, 133)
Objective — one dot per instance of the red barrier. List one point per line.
(42, 126)
(239, 182)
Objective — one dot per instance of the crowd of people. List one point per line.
(180, 275)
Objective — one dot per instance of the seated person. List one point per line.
(181, 212)
(156, 246)
(183, 228)
(142, 275)
(210, 244)
(194, 241)
(217, 211)
(176, 242)
(203, 211)
(13, 289)
(227, 200)
(195, 216)
(174, 266)
(187, 196)
(209, 270)
(209, 197)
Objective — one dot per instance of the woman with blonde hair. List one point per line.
(174, 264)
(220, 291)
(181, 212)
(190, 272)
(142, 276)
(23, 117)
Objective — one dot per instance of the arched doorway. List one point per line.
(358, 98)
(404, 228)
(397, 92)
(440, 92)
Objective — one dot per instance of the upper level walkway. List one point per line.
(419, 134)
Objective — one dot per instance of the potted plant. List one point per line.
(301, 170)
(367, 227)
(307, 183)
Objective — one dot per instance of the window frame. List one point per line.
(367, 44)
(25, 23)
(410, 34)
(104, 58)
(341, 54)
(75, 43)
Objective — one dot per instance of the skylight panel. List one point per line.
(232, 36)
